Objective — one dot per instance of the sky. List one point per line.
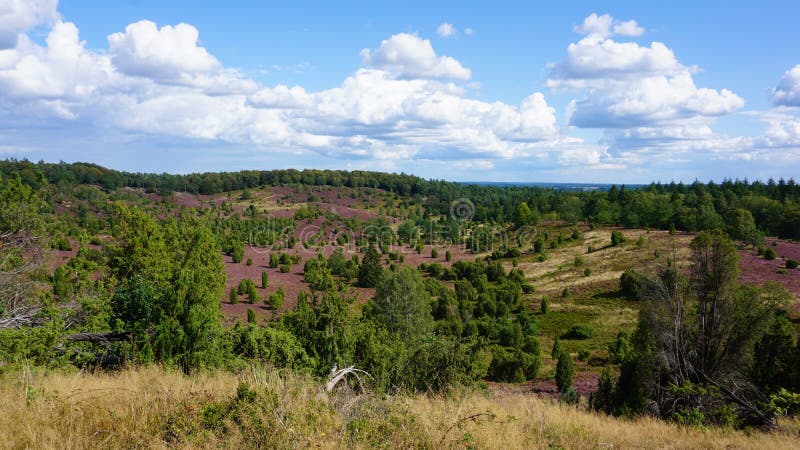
(612, 92)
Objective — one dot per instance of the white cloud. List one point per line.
(409, 56)
(605, 26)
(469, 31)
(168, 54)
(446, 30)
(17, 16)
(157, 82)
(628, 28)
(787, 93)
(594, 59)
(281, 96)
(55, 79)
(407, 105)
(630, 86)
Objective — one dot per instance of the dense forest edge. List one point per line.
(414, 295)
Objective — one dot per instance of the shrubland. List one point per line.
(124, 337)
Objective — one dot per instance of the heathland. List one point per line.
(361, 309)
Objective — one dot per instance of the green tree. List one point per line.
(264, 280)
(703, 331)
(276, 299)
(237, 253)
(169, 299)
(233, 296)
(402, 305)
(251, 316)
(61, 287)
(564, 372)
(369, 273)
(773, 363)
(523, 215)
(556, 350)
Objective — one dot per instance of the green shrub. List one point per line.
(275, 300)
(603, 398)
(233, 296)
(249, 261)
(61, 243)
(556, 350)
(434, 253)
(630, 284)
(570, 396)
(791, 264)
(544, 304)
(584, 354)
(578, 261)
(587, 271)
(448, 256)
(769, 254)
(565, 293)
(251, 316)
(285, 268)
(264, 280)
(564, 372)
(617, 238)
(579, 332)
(237, 253)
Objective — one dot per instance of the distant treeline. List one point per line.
(742, 208)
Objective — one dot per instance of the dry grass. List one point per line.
(154, 407)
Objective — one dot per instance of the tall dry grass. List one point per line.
(154, 407)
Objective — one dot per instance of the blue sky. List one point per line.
(619, 92)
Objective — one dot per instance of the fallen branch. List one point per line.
(100, 338)
(337, 376)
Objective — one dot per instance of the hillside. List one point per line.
(512, 300)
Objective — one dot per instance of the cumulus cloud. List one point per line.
(406, 103)
(171, 54)
(787, 93)
(54, 79)
(164, 54)
(409, 56)
(605, 26)
(635, 88)
(20, 15)
(446, 30)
